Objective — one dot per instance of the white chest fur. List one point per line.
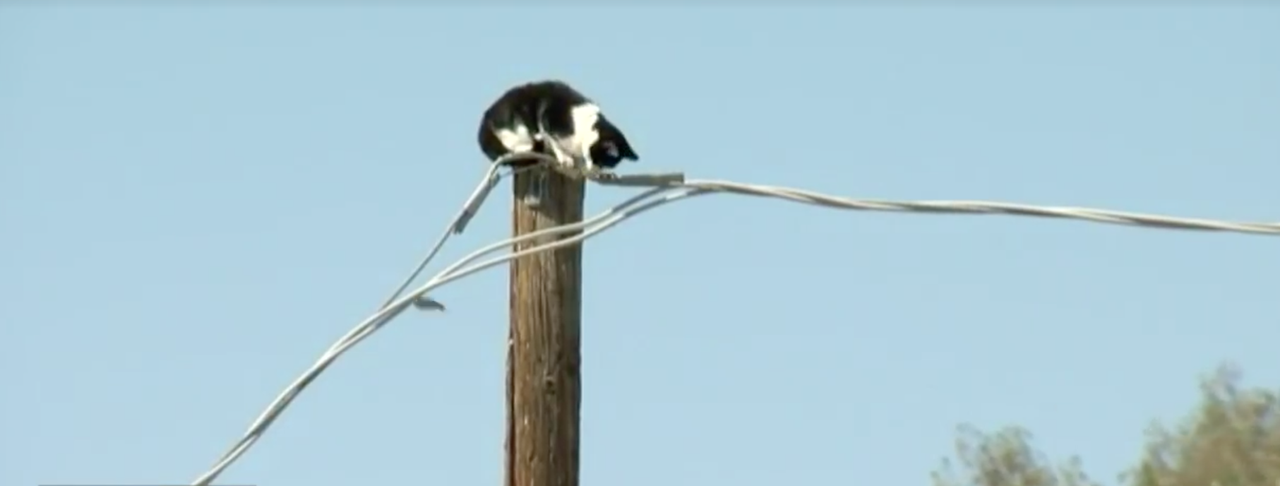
(575, 149)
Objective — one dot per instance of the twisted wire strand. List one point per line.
(391, 308)
(663, 193)
(987, 207)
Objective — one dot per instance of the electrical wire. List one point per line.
(391, 308)
(665, 190)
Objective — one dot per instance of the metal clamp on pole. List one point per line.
(639, 180)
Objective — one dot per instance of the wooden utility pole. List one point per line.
(543, 354)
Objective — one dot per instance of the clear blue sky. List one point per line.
(196, 202)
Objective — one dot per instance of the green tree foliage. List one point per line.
(1231, 438)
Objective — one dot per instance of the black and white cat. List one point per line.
(552, 118)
